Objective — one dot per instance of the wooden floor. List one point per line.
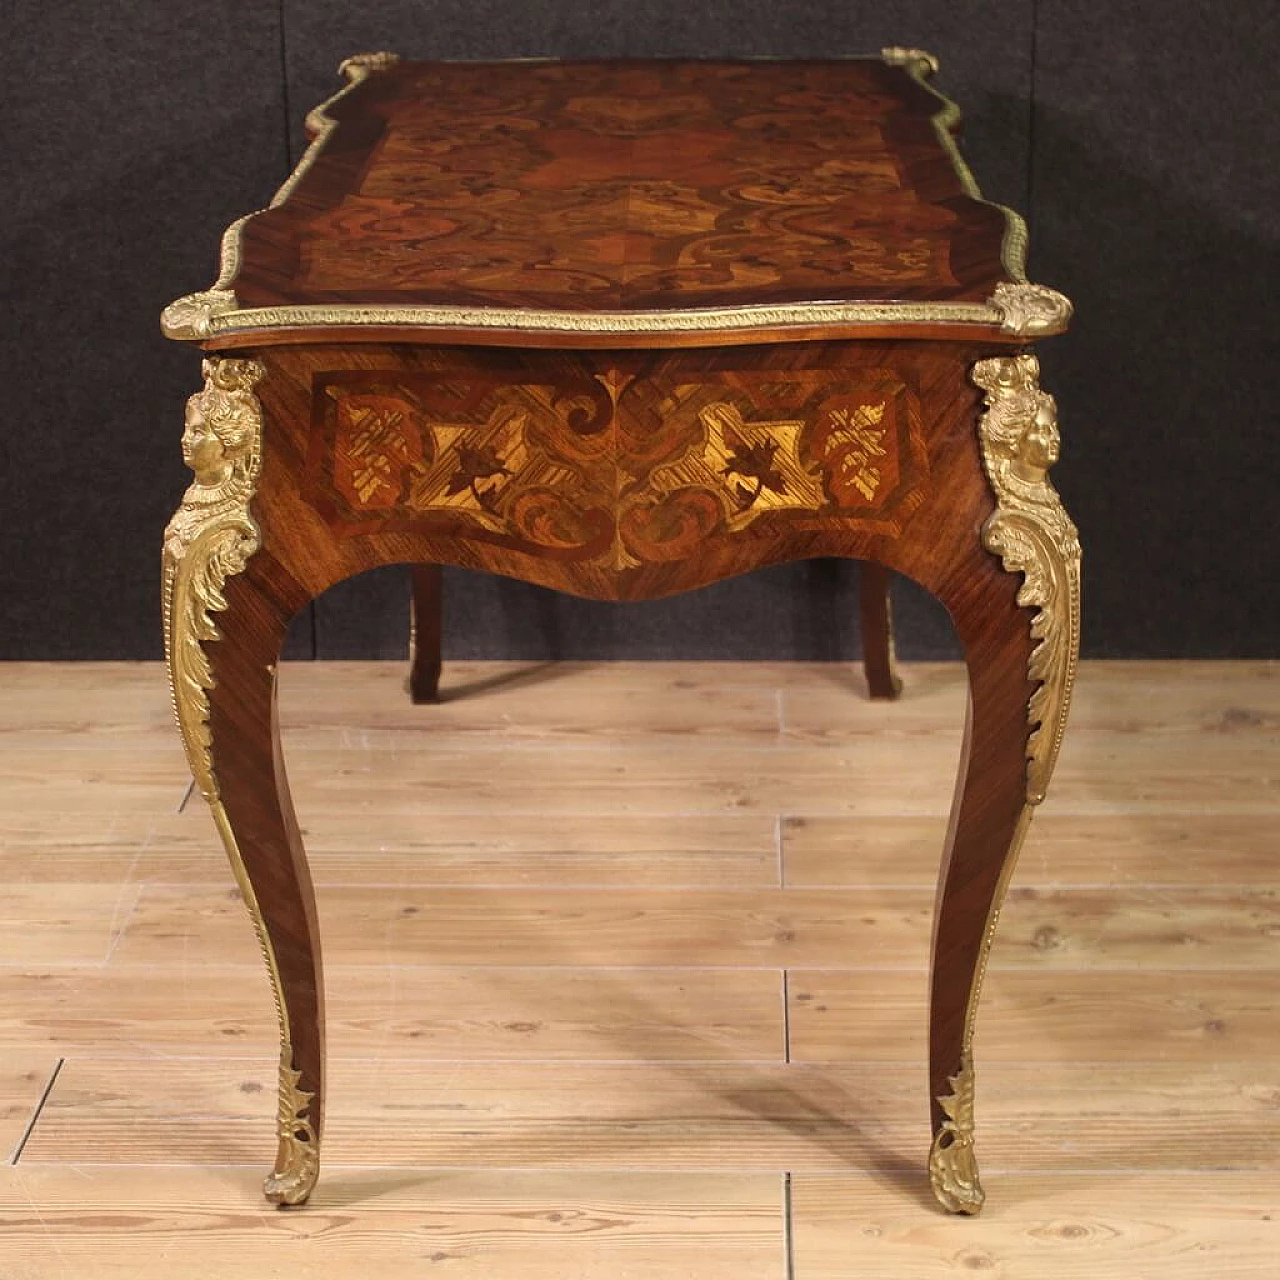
(627, 979)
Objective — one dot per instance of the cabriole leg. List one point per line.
(878, 659)
(987, 823)
(424, 633)
(226, 608)
(1021, 655)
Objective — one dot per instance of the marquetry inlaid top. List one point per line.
(622, 196)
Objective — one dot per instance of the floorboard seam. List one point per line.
(786, 1016)
(35, 1115)
(788, 1238)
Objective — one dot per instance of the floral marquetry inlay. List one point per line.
(741, 450)
(767, 469)
(614, 470)
(568, 190)
(526, 460)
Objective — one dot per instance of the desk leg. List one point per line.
(988, 820)
(1021, 656)
(424, 633)
(245, 784)
(227, 604)
(878, 659)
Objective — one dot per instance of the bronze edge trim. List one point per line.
(922, 67)
(1016, 307)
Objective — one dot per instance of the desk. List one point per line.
(623, 329)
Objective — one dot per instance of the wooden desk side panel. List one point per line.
(620, 475)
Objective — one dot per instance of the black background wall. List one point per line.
(1140, 139)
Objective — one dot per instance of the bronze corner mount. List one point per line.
(190, 318)
(1030, 310)
(360, 65)
(920, 61)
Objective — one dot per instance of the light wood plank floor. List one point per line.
(627, 978)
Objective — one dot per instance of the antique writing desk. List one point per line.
(623, 329)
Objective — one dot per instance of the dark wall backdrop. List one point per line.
(1137, 139)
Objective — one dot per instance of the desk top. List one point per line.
(633, 202)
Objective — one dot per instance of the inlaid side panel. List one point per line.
(615, 464)
(620, 475)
